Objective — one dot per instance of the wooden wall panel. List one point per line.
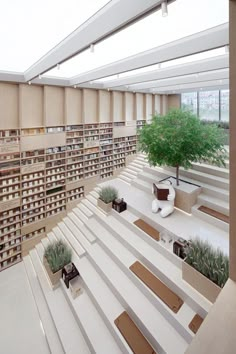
(174, 101)
(156, 104)
(53, 106)
(9, 106)
(129, 106)
(104, 106)
(117, 106)
(31, 106)
(73, 106)
(148, 106)
(139, 106)
(90, 106)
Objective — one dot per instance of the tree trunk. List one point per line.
(177, 175)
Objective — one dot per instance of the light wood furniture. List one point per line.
(132, 335)
(173, 301)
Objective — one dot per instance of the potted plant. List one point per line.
(205, 268)
(180, 138)
(56, 256)
(107, 195)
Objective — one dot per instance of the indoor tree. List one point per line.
(180, 138)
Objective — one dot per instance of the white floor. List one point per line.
(179, 223)
(20, 326)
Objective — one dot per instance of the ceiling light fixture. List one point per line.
(58, 66)
(40, 76)
(164, 8)
(91, 48)
(29, 82)
(108, 89)
(75, 86)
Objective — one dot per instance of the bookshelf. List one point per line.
(39, 185)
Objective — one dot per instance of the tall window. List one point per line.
(224, 105)
(189, 101)
(209, 105)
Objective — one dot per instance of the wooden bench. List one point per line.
(148, 229)
(195, 323)
(173, 301)
(214, 213)
(132, 335)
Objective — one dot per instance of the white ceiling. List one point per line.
(32, 42)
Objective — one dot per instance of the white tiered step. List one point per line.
(65, 323)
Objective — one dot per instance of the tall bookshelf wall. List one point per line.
(45, 169)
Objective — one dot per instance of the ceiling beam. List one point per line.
(111, 18)
(213, 85)
(179, 80)
(206, 40)
(198, 66)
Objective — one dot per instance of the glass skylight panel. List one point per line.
(152, 31)
(29, 29)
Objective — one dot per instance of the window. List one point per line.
(224, 116)
(189, 101)
(209, 105)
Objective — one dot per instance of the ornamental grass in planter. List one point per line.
(205, 268)
(56, 256)
(107, 195)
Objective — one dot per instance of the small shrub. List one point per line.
(57, 254)
(214, 264)
(108, 194)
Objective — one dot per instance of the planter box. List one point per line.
(53, 277)
(199, 282)
(106, 207)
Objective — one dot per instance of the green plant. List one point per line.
(57, 254)
(212, 263)
(180, 138)
(108, 194)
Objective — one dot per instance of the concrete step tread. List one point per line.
(94, 209)
(211, 167)
(42, 306)
(85, 210)
(213, 200)
(70, 334)
(126, 179)
(70, 237)
(93, 325)
(137, 303)
(80, 215)
(152, 173)
(82, 228)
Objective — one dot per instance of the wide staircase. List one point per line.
(106, 247)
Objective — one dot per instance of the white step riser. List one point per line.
(186, 296)
(93, 208)
(214, 206)
(50, 298)
(211, 171)
(50, 330)
(80, 325)
(128, 175)
(82, 228)
(85, 210)
(102, 311)
(130, 172)
(120, 294)
(211, 220)
(216, 194)
(141, 286)
(140, 186)
(127, 180)
(156, 245)
(135, 169)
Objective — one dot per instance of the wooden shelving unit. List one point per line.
(38, 185)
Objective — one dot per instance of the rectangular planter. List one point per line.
(200, 283)
(106, 207)
(53, 277)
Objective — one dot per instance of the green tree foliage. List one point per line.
(180, 138)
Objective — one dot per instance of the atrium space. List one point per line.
(103, 247)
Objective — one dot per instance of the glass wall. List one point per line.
(209, 105)
(224, 105)
(189, 101)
